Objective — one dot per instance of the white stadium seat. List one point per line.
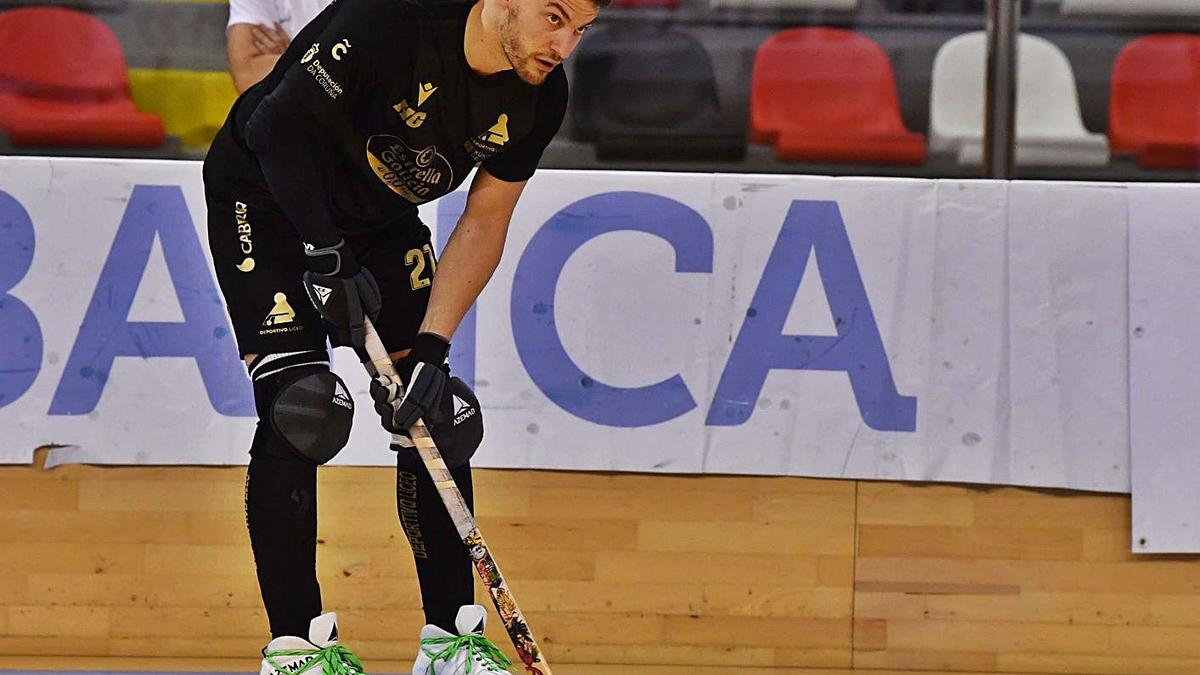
(1136, 7)
(1050, 129)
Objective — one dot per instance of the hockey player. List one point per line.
(312, 189)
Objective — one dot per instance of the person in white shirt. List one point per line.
(259, 30)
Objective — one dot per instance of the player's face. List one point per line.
(539, 34)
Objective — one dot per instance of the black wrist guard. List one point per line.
(426, 348)
(331, 261)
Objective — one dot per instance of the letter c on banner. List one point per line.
(534, 329)
(21, 336)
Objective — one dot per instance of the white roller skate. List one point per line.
(468, 653)
(320, 654)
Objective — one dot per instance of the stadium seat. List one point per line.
(1050, 129)
(829, 95)
(192, 103)
(64, 82)
(1133, 7)
(945, 6)
(832, 5)
(648, 92)
(646, 4)
(1154, 108)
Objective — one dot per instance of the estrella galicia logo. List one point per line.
(416, 175)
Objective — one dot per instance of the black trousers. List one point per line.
(259, 260)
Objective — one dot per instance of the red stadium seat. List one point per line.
(64, 81)
(829, 95)
(1154, 110)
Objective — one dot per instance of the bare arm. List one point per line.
(473, 252)
(253, 51)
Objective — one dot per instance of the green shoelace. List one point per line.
(476, 645)
(335, 660)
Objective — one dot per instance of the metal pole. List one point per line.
(1000, 106)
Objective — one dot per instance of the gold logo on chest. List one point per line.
(416, 175)
(489, 142)
(426, 90)
(411, 116)
(498, 132)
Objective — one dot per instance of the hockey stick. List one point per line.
(489, 572)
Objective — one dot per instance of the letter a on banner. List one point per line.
(107, 333)
(761, 345)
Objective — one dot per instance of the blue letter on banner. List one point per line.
(106, 332)
(21, 337)
(536, 279)
(857, 350)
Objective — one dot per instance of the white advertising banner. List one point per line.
(962, 331)
(1164, 317)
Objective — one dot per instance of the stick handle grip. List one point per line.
(464, 522)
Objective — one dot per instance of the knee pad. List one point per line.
(459, 434)
(302, 403)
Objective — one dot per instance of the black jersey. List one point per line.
(393, 112)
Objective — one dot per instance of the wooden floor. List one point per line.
(78, 666)
(149, 568)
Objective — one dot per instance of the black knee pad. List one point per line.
(302, 406)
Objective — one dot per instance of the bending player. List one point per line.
(312, 188)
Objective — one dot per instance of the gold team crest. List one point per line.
(489, 142)
(282, 312)
(498, 132)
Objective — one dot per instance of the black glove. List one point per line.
(425, 371)
(342, 292)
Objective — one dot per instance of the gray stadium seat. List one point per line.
(1133, 7)
(648, 92)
